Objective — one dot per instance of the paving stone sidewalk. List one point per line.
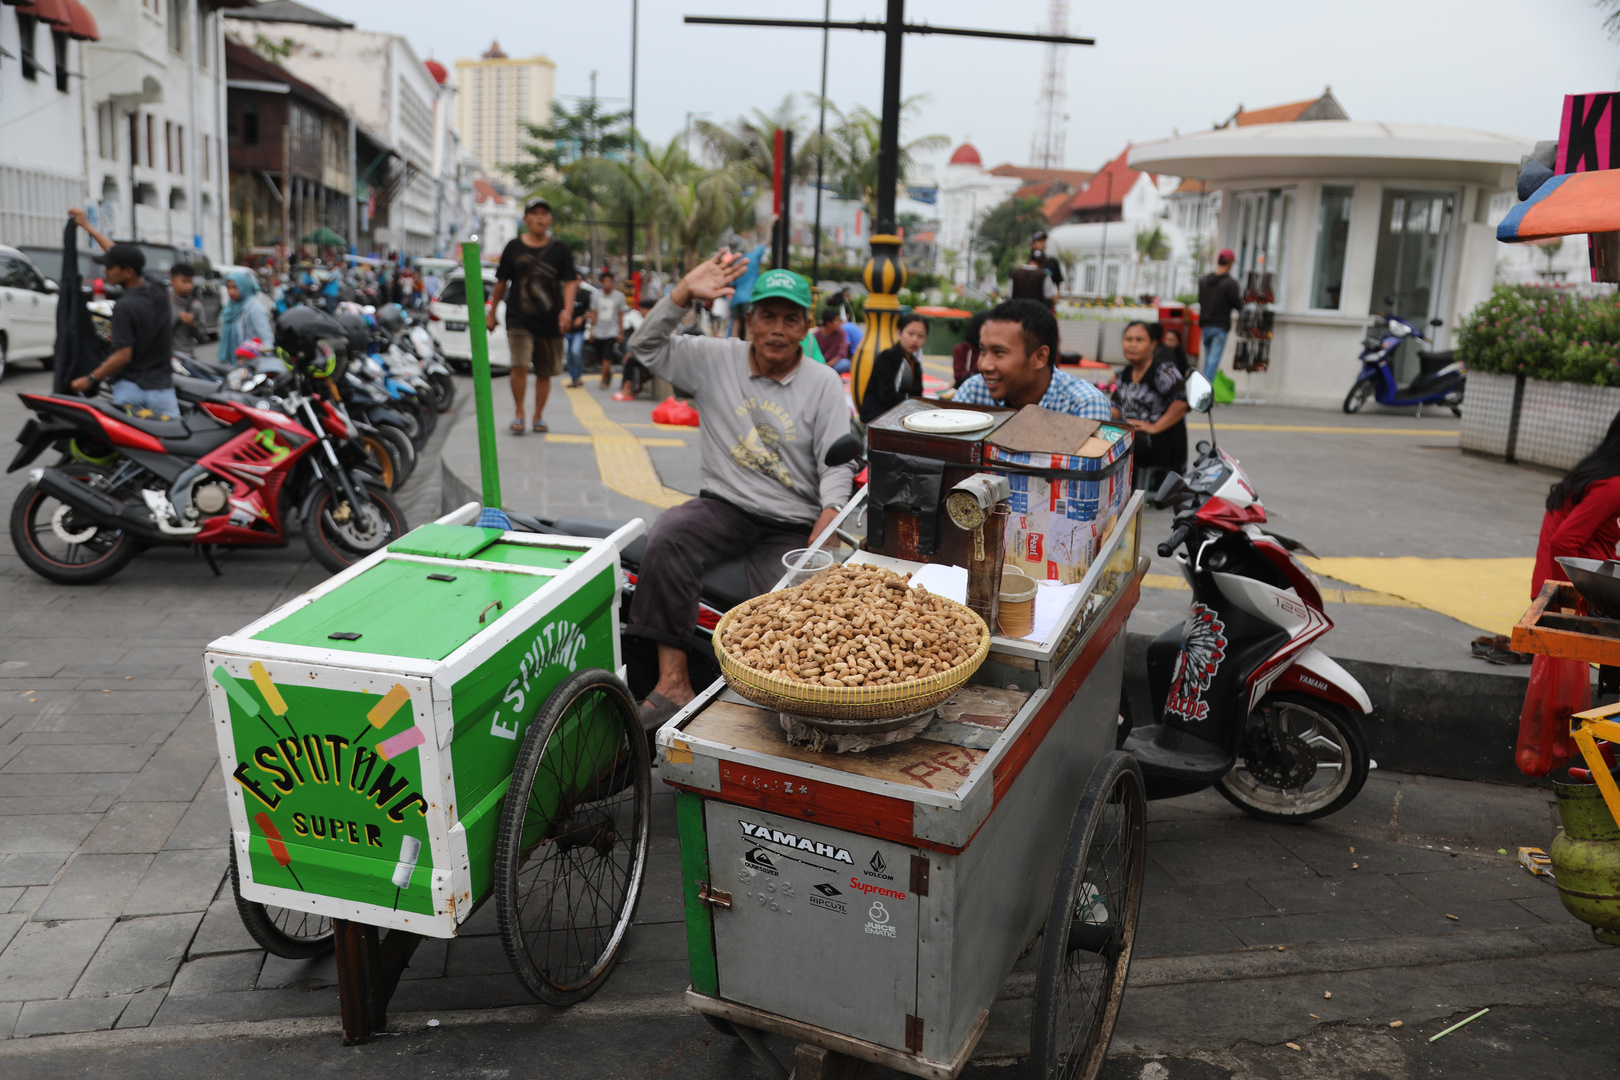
(115, 911)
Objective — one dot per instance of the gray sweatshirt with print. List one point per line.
(763, 440)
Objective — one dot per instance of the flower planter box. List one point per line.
(1557, 423)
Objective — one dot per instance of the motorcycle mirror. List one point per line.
(845, 448)
(1435, 322)
(1200, 394)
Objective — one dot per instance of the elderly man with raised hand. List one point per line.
(768, 420)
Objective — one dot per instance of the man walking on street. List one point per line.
(604, 325)
(188, 312)
(1218, 298)
(1033, 281)
(538, 271)
(142, 332)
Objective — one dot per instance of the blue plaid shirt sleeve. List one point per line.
(1066, 394)
(1075, 396)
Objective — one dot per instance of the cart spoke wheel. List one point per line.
(1086, 946)
(293, 935)
(573, 840)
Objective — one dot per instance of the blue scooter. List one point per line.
(1440, 379)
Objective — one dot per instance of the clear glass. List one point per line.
(1332, 241)
(801, 568)
(1413, 238)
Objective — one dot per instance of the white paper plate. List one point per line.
(948, 421)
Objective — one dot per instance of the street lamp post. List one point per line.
(1102, 250)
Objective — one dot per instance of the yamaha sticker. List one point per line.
(786, 845)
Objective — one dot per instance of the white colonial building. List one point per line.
(116, 105)
(1344, 214)
(393, 94)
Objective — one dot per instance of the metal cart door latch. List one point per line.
(713, 897)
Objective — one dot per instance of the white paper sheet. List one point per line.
(951, 582)
(1050, 601)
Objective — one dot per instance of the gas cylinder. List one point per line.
(1586, 859)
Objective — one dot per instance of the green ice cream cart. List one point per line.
(442, 724)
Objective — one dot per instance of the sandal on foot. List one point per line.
(517, 427)
(539, 425)
(656, 710)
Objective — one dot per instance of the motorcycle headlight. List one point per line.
(1400, 330)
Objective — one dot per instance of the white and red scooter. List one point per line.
(1242, 699)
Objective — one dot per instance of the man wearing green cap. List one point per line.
(769, 418)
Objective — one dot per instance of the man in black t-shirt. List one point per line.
(1037, 254)
(142, 333)
(536, 277)
(1218, 297)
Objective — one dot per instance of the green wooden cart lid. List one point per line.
(445, 541)
(405, 608)
(545, 558)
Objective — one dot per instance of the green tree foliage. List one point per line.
(1544, 333)
(852, 151)
(1004, 232)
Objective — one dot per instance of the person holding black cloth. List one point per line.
(142, 334)
(897, 371)
(1037, 253)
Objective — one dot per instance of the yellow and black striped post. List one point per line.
(884, 277)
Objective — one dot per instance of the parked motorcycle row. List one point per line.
(309, 434)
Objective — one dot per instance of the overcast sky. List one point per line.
(1175, 64)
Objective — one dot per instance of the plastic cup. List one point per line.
(813, 562)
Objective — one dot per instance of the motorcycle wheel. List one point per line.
(339, 544)
(412, 425)
(380, 456)
(1337, 748)
(404, 452)
(1359, 395)
(444, 390)
(56, 548)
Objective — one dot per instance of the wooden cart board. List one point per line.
(369, 727)
(872, 903)
(1552, 628)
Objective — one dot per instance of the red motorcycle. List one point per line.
(234, 473)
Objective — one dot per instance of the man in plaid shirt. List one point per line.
(1018, 352)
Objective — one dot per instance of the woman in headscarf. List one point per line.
(244, 318)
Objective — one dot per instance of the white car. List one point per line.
(27, 311)
(448, 323)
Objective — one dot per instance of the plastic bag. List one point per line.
(1558, 688)
(674, 411)
(1225, 389)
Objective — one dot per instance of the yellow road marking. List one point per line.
(586, 440)
(1488, 593)
(1332, 596)
(620, 457)
(1323, 429)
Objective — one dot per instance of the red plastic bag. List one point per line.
(1558, 688)
(673, 411)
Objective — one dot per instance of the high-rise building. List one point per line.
(496, 95)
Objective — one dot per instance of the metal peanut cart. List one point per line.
(442, 724)
(869, 905)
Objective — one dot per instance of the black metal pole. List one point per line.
(821, 147)
(889, 147)
(630, 210)
(786, 222)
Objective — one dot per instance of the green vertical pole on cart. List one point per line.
(483, 395)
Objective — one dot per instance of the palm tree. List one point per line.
(852, 153)
(684, 206)
(749, 144)
(1151, 246)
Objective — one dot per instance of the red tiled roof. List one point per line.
(1075, 178)
(1055, 207)
(1277, 114)
(1100, 193)
(1192, 187)
(484, 191)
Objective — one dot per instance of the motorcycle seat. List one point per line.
(1431, 362)
(188, 389)
(172, 428)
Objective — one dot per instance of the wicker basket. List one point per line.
(843, 702)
